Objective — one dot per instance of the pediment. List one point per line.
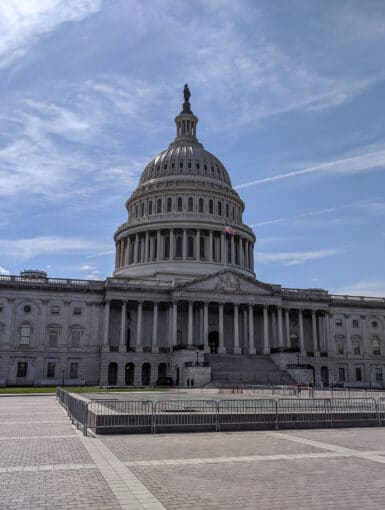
(231, 282)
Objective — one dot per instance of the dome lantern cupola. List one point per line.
(186, 122)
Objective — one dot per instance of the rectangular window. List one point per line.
(356, 348)
(55, 310)
(341, 374)
(22, 369)
(378, 375)
(355, 323)
(338, 322)
(77, 310)
(75, 337)
(25, 334)
(53, 336)
(51, 370)
(73, 371)
(358, 374)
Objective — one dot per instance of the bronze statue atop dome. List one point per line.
(186, 93)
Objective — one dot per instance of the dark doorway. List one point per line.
(213, 342)
(129, 374)
(177, 376)
(162, 370)
(325, 376)
(146, 374)
(112, 374)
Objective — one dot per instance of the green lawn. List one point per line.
(73, 389)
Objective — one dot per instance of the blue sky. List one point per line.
(290, 96)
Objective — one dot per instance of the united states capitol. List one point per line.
(183, 301)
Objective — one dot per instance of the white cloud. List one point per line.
(3, 271)
(295, 258)
(368, 287)
(23, 21)
(360, 163)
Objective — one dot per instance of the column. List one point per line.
(106, 324)
(266, 346)
(210, 246)
(146, 251)
(206, 326)
(301, 337)
(321, 333)
(240, 251)
(221, 347)
(223, 249)
(246, 255)
(314, 328)
(122, 342)
(280, 332)
(158, 247)
(245, 342)
(172, 247)
(197, 245)
(348, 334)
(151, 248)
(184, 244)
(155, 347)
(232, 250)
(190, 324)
(128, 252)
(139, 327)
(174, 337)
(237, 349)
(136, 249)
(116, 255)
(251, 330)
(287, 326)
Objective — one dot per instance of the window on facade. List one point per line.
(53, 336)
(55, 310)
(77, 310)
(189, 164)
(25, 334)
(1, 307)
(169, 204)
(155, 249)
(190, 247)
(159, 206)
(355, 323)
(202, 253)
(211, 207)
(228, 249)
(142, 209)
(374, 324)
(378, 375)
(76, 333)
(227, 210)
(51, 366)
(190, 204)
(340, 345)
(136, 211)
(167, 247)
(22, 369)
(27, 309)
(356, 347)
(341, 374)
(358, 374)
(338, 322)
(180, 203)
(219, 208)
(178, 246)
(376, 346)
(150, 207)
(233, 215)
(73, 370)
(201, 205)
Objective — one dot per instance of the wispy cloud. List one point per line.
(297, 257)
(3, 271)
(361, 163)
(23, 21)
(369, 287)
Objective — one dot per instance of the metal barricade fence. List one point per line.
(116, 416)
(247, 414)
(77, 409)
(354, 412)
(303, 413)
(381, 410)
(185, 415)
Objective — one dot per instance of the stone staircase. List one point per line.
(249, 369)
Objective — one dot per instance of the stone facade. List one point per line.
(182, 298)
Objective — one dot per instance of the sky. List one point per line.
(290, 97)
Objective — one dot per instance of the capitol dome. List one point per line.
(184, 218)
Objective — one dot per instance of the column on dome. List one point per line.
(122, 340)
(190, 324)
(206, 326)
(301, 335)
(221, 347)
(151, 251)
(136, 249)
(246, 254)
(314, 331)
(251, 257)
(146, 247)
(237, 349)
(184, 244)
(139, 327)
(154, 344)
(223, 249)
(197, 244)
(158, 246)
(287, 327)
(240, 251)
(280, 331)
(251, 330)
(232, 250)
(210, 254)
(172, 243)
(116, 255)
(128, 251)
(266, 344)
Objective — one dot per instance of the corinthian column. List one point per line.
(251, 330)
(237, 349)
(221, 347)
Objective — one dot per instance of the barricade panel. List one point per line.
(185, 415)
(354, 412)
(303, 413)
(118, 416)
(246, 414)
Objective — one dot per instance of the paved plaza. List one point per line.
(45, 463)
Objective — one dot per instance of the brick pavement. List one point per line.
(46, 464)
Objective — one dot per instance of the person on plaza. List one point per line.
(298, 387)
(311, 389)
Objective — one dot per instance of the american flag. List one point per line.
(229, 230)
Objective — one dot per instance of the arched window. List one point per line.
(150, 207)
(340, 344)
(178, 246)
(162, 370)
(202, 253)
(25, 334)
(167, 247)
(129, 374)
(112, 373)
(219, 208)
(376, 346)
(169, 204)
(180, 204)
(201, 205)
(146, 374)
(356, 343)
(190, 204)
(142, 209)
(159, 206)
(190, 247)
(211, 207)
